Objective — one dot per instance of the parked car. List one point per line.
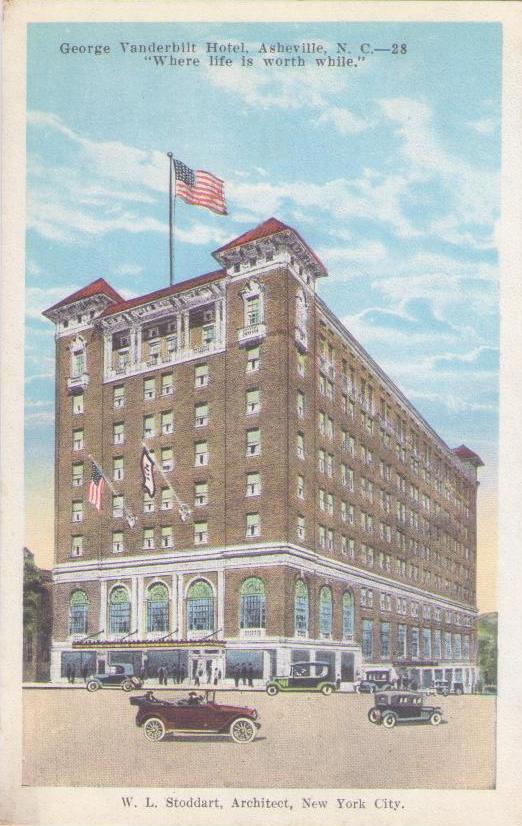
(381, 680)
(304, 676)
(121, 675)
(392, 707)
(445, 687)
(194, 714)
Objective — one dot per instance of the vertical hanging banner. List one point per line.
(147, 469)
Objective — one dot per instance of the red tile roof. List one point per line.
(464, 452)
(269, 227)
(98, 287)
(207, 278)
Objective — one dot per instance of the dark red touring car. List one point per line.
(195, 714)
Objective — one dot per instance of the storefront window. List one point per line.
(252, 604)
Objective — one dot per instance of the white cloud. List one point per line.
(129, 269)
(485, 126)
(42, 418)
(344, 121)
(38, 299)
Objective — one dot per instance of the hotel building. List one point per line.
(328, 521)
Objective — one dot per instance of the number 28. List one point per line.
(399, 48)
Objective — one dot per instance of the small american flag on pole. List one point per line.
(96, 486)
(200, 188)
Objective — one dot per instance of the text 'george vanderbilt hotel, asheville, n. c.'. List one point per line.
(328, 520)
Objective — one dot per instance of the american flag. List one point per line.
(200, 188)
(96, 487)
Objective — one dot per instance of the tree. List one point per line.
(487, 648)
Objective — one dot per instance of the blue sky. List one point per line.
(390, 171)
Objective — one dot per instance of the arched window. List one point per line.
(348, 615)
(119, 611)
(253, 303)
(301, 609)
(78, 357)
(200, 607)
(325, 612)
(157, 608)
(252, 598)
(301, 312)
(78, 612)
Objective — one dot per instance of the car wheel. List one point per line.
(386, 687)
(272, 690)
(93, 685)
(389, 719)
(242, 730)
(459, 691)
(435, 718)
(127, 685)
(327, 690)
(154, 729)
(374, 715)
(372, 689)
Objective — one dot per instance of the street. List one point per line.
(74, 738)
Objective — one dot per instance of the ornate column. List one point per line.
(139, 624)
(221, 601)
(103, 609)
(178, 331)
(186, 330)
(107, 353)
(180, 607)
(174, 607)
(134, 603)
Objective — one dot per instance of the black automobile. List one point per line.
(376, 680)
(304, 676)
(392, 707)
(120, 675)
(444, 687)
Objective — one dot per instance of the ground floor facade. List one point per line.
(248, 613)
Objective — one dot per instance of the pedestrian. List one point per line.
(182, 674)
(244, 673)
(68, 672)
(196, 678)
(250, 673)
(143, 673)
(219, 675)
(209, 671)
(85, 671)
(236, 676)
(338, 682)
(215, 676)
(73, 673)
(174, 674)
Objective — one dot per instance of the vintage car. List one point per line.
(194, 714)
(120, 675)
(304, 676)
(392, 707)
(444, 687)
(376, 680)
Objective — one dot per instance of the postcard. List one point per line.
(260, 441)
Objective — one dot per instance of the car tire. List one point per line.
(272, 690)
(389, 719)
(374, 715)
(93, 685)
(154, 729)
(459, 691)
(372, 689)
(386, 687)
(327, 690)
(127, 685)
(435, 718)
(243, 730)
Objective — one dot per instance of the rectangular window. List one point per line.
(465, 647)
(167, 384)
(321, 499)
(201, 414)
(200, 533)
(117, 505)
(385, 640)
(77, 511)
(209, 333)
(300, 446)
(300, 404)
(77, 474)
(78, 439)
(201, 376)
(118, 433)
(77, 546)
(252, 310)
(117, 468)
(367, 639)
(200, 454)
(252, 359)
(322, 536)
(78, 403)
(447, 645)
(437, 648)
(330, 539)
(321, 456)
(253, 404)
(149, 389)
(329, 465)
(118, 396)
(301, 363)
(148, 539)
(117, 542)
(330, 504)
(414, 642)
(301, 487)
(253, 447)
(148, 503)
(148, 427)
(167, 537)
(253, 484)
(253, 524)
(322, 423)
(167, 458)
(200, 493)
(301, 527)
(401, 641)
(166, 499)
(426, 643)
(172, 345)
(167, 421)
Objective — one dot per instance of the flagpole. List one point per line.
(184, 510)
(171, 220)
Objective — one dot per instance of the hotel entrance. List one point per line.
(206, 666)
